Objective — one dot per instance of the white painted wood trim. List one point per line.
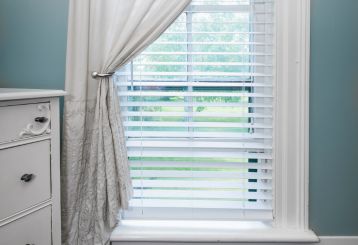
(292, 115)
(55, 171)
(17, 94)
(24, 141)
(207, 231)
(25, 212)
(290, 142)
(339, 240)
(324, 240)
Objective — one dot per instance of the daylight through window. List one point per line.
(198, 115)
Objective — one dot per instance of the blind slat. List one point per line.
(196, 104)
(199, 204)
(195, 63)
(195, 84)
(205, 53)
(200, 184)
(217, 194)
(201, 164)
(181, 134)
(227, 74)
(194, 94)
(211, 43)
(198, 174)
(248, 33)
(195, 144)
(193, 114)
(198, 154)
(196, 124)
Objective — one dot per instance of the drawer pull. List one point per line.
(42, 125)
(27, 177)
(41, 119)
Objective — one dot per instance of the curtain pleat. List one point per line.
(102, 36)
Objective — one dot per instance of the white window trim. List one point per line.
(290, 149)
(292, 114)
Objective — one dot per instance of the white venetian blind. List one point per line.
(197, 106)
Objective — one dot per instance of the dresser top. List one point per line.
(18, 94)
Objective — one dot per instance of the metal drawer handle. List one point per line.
(27, 177)
(41, 124)
(41, 119)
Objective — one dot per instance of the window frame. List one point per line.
(291, 142)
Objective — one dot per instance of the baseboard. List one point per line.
(339, 240)
(324, 240)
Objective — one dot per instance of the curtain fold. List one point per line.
(102, 36)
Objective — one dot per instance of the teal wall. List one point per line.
(33, 43)
(32, 55)
(334, 117)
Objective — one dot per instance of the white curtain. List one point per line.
(103, 35)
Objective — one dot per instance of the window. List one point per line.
(216, 118)
(198, 109)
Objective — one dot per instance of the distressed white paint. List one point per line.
(30, 211)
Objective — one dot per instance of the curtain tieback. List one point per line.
(97, 75)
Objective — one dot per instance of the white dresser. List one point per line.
(30, 167)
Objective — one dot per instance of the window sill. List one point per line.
(206, 231)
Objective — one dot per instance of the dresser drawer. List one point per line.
(34, 229)
(15, 162)
(23, 121)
